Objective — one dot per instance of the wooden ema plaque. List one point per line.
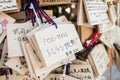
(96, 11)
(99, 59)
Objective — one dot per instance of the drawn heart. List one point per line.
(1, 30)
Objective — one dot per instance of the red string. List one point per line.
(46, 17)
(92, 40)
(6, 71)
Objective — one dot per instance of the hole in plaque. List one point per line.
(16, 65)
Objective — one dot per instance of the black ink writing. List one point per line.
(62, 48)
(81, 70)
(20, 32)
(20, 38)
(5, 1)
(55, 38)
(81, 77)
(97, 9)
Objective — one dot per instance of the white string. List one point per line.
(37, 18)
(9, 76)
(64, 70)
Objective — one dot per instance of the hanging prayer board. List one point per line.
(59, 77)
(31, 41)
(106, 27)
(34, 62)
(99, 59)
(15, 34)
(8, 5)
(15, 10)
(96, 11)
(110, 37)
(64, 41)
(38, 68)
(82, 72)
(4, 21)
(27, 59)
(61, 19)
